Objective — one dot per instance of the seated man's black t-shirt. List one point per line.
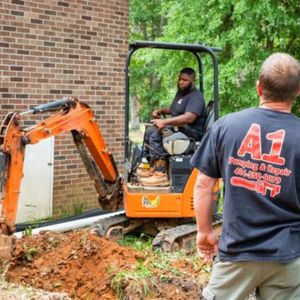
(190, 102)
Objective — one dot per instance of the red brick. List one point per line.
(56, 48)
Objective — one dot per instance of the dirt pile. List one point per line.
(77, 263)
(86, 266)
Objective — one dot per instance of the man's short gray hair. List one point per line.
(280, 78)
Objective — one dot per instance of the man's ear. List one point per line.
(258, 88)
(193, 82)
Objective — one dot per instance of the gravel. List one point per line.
(9, 291)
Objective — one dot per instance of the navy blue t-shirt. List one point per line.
(257, 154)
(190, 102)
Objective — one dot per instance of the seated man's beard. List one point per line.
(185, 90)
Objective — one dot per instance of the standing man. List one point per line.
(187, 113)
(256, 152)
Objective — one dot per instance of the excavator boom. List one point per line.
(72, 116)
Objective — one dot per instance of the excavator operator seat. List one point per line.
(210, 116)
(177, 143)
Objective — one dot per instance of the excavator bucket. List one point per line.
(6, 241)
(6, 246)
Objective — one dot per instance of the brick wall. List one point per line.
(50, 49)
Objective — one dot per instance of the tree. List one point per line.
(248, 31)
(146, 23)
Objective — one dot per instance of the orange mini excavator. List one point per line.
(165, 212)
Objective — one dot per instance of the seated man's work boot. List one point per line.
(159, 177)
(144, 172)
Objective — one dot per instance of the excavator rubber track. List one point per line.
(181, 237)
(114, 227)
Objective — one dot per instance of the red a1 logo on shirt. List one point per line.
(252, 145)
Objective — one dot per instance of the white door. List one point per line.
(35, 201)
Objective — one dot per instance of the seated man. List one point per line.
(187, 113)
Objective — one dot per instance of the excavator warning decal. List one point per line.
(147, 203)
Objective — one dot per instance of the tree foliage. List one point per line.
(248, 31)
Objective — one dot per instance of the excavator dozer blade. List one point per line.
(6, 246)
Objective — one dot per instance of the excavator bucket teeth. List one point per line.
(3, 169)
(6, 246)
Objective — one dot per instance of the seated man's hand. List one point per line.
(160, 124)
(156, 113)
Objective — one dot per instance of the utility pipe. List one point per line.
(43, 223)
(72, 225)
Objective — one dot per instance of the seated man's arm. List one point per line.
(181, 120)
(164, 111)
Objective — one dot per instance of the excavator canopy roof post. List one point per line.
(196, 49)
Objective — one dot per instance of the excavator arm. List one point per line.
(72, 116)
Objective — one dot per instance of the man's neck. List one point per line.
(279, 106)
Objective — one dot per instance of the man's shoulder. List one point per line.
(241, 112)
(235, 119)
(194, 93)
(255, 114)
(234, 116)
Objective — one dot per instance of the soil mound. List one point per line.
(85, 266)
(78, 263)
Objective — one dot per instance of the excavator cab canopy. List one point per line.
(196, 49)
